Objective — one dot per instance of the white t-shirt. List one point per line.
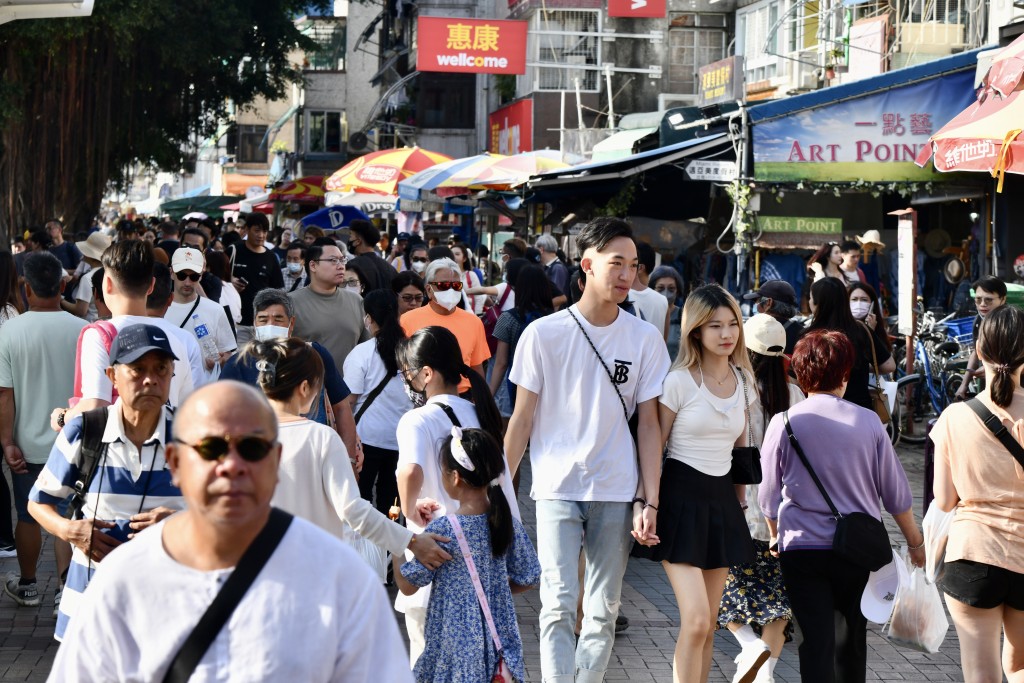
(653, 306)
(96, 359)
(420, 434)
(230, 297)
(580, 446)
(706, 427)
(316, 613)
(84, 292)
(363, 371)
(316, 482)
(510, 302)
(211, 315)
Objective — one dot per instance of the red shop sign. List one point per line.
(648, 9)
(476, 46)
(511, 128)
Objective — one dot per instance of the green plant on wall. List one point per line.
(620, 203)
(505, 86)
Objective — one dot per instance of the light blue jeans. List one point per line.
(563, 529)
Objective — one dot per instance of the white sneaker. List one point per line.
(750, 660)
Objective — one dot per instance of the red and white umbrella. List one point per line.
(987, 135)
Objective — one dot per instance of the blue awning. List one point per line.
(200, 191)
(866, 86)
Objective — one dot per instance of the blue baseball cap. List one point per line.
(135, 341)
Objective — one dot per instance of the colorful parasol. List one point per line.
(500, 173)
(380, 172)
(986, 136)
(308, 190)
(426, 181)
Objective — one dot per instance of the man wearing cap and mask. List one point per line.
(362, 240)
(207, 321)
(777, 298)
(398, 248)
(130, 487)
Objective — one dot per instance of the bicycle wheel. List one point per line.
(907, 394)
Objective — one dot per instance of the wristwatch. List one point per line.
(60, 418)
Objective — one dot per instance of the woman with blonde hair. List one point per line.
(701, 526)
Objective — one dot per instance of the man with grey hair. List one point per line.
(37, 369)
(326, 312)
(274, 318)
(553, 267)
(444, 293)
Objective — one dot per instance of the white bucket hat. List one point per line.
(883, 586)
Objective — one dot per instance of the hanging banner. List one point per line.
(645, 9)
(872, 138)
(720, 81)
(511, 128)
(471, 46)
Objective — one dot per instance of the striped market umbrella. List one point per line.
(380, 172)
(308, 190)
(426, 181)
(500, 173)
(987, 135)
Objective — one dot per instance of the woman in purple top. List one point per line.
(821, 586)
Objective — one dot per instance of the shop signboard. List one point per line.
(474, 46)
(720, 81)
(510, 128)
(871, 138)
(647, 9)
(906, 270)
(714, 171)
(817, 226)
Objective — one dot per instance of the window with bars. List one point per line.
(691, 47)
(249, 140)
(325, 132)
(329, 35)
(568, 41)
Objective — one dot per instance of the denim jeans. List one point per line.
(602, 531)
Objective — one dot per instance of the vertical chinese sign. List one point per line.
(510, 129)
(476, 46)
(874, 138)
(638, 9)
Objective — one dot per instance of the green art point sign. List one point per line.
(820, 226)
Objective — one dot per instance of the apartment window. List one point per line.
(249, 140)
(692, 46)
(329, 36)
(446, 100)
(565, 46)
(760, 37)
(326, 131)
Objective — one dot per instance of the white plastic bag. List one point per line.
(374, 556)
(936, 531)
(918, 620)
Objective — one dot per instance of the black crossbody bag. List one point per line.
(860, 539)
(746, 460)
(996, 426)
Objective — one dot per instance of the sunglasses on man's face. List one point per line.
(182, 276)
(445, 286)
(251, 448)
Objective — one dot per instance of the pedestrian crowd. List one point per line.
(236, 444)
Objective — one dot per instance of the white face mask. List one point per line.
(418, 266)
(860, 309)
(268, 332)
(294, 268)
(449, 299)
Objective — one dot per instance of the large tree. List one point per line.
(82, 100)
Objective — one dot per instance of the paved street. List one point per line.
(643, 653)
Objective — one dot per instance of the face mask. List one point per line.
(418, 398)
(366, 324)
(449, 299)
(294, 268)
(860, 309)
(669, 294)
(268, 332)
(352, 246)
(418, 266)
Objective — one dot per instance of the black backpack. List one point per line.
(93, 426)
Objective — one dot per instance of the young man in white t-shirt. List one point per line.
(586, 469)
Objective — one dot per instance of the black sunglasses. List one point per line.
(251, 448)
(182, 276)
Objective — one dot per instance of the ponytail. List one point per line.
(1001, 346)
(477, 457)
(282, 365)
(486, 409)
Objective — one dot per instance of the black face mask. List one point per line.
(352, 245)
(417, 396)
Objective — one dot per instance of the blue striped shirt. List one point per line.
(127, 481)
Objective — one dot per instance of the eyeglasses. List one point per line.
(251, 448)
(353, 284)
(412, 298)
(334, 260)
(182, 276)
(445, 286)
(410, 377)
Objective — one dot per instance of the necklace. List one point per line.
(720, 381)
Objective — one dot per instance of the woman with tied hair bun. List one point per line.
(315, 477)
(977, 475)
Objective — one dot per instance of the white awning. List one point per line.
(43, 9)
(620, 145)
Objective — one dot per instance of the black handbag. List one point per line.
(860, 539)
(746, 460)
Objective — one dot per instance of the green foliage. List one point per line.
(505, 86)
(619, 204)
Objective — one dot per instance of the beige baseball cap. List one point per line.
(187, 259)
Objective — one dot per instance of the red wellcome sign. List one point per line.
(477, 46)
(648, 9)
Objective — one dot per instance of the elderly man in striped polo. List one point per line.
(130, 486)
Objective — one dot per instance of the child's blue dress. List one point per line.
(459, 648)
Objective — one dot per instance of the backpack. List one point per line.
(107, 332)
(94, 422)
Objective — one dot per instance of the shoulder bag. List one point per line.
(501, 672)
(996, 426)
(231, 593)
(879, 403)
(372, 395)
(611, 378)
(490, 319)
(746, 460)
(860, 539)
